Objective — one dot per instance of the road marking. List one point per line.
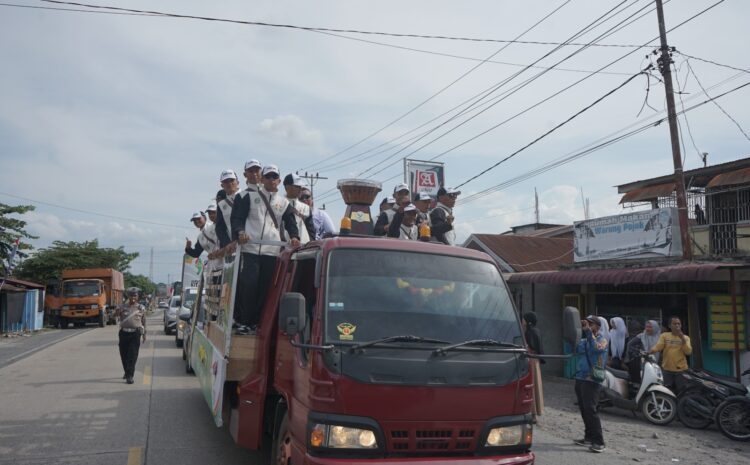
(134, 456)
(147, 375)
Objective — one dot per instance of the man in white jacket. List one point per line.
(293, 185)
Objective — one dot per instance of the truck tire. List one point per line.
(281, 453)
(63, 323)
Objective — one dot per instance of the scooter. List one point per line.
(700, 394)
(656, 401)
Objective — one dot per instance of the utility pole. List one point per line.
(536, 206)
(665, 62)
(311, 179)
(151, 266)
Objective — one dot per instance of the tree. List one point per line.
(141, 282)
(11, 230)
(48, 264)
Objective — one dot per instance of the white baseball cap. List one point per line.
(196, 216)
(270, 169)
(211, 207)
(227, 174)
(423, 196)
(400, 187)
(252, 164)
(410, 208)
(448, 191)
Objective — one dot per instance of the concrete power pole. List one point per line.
(151, 266)
(312, 179)
(665, 62)
(536, 206)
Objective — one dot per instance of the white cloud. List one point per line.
(293, 130)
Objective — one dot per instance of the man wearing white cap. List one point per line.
(321, 221)
(207, 241)
(404, 224)
(441, 217)
(423, 201)
(225, 202)
(253, 174)
(401, 195)
(264, 215)
(293, 184)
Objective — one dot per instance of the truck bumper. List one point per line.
(515, 459)
(79, 313)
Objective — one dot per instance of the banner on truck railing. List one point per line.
(210, 369)
(424, 176)
(192, 268)
(653, 233)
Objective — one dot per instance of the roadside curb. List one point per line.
(29, 352)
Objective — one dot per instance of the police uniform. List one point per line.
(251, 214)
(132, 327)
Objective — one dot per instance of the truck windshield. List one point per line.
(373, 294)
(80, 288)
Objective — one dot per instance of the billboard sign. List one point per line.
(653, 233)
(424, 176)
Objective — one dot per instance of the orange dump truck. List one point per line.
(90, 296)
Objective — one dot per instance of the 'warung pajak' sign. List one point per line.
(653, 233)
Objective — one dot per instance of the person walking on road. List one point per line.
(132, 331)
(592, 358)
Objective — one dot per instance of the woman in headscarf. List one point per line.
(604, 328)
(617, 336)
(650, 336)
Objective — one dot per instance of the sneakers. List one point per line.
(246, 330)
(583, 442)
(598, 448)
(129, 380)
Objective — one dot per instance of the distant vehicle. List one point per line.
(88, 296)
(189, 297)
(163, 304)
(170, 314)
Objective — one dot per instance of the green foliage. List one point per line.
(49, 263)
(12, 229)
(141, 282)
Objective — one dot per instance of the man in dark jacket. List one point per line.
(441, 217)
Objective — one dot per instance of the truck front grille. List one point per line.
(419, 440)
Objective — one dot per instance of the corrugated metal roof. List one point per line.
(526, 253)
(733, 177)
(19, 283)
(648, 193)
(683, 272)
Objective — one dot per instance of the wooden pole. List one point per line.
(732, 291)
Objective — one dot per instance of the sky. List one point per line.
(117, 126)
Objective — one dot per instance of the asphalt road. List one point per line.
(68, 404)
(17, 347)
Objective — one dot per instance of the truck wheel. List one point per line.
(63, 323)
(282, 445)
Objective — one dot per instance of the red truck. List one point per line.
(375, 351)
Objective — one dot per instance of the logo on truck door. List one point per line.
(346, 331)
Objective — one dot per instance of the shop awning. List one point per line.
(648, 193)
(684, 272)
(741, 176)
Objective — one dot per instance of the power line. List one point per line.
(690, 68)
(712, 62)
(568, 120)
(591, 148)
(433, 96)
(320, 29)
(87, 212)
(78, 10)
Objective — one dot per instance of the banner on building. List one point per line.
(424, 176)
(721, 322)
(653, 233)
(192, 268)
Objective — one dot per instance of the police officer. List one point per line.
(132, 329)
(441, 217)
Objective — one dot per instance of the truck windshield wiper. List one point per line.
(475, 342)
(400, 338)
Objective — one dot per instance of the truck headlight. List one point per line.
(509, 436)
(66, 307)
(342, 437)
(94, 307)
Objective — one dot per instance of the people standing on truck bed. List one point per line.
(322, 223)
(386, 204)
(293, 185)
(132, 329)
(404, 224)
(422, 201)
(225, 201)
(441, 217)
(253, 175)
(207, 239)
(403, 198)
(264, 215)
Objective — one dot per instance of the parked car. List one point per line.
(170, 314)
(163, 304)
(190, 295)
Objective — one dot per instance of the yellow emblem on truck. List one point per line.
(346, 331)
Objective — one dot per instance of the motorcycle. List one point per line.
(700, 394)
(656, 401)
(733, 416)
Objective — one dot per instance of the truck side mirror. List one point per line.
(571, 326)
(292, 316)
